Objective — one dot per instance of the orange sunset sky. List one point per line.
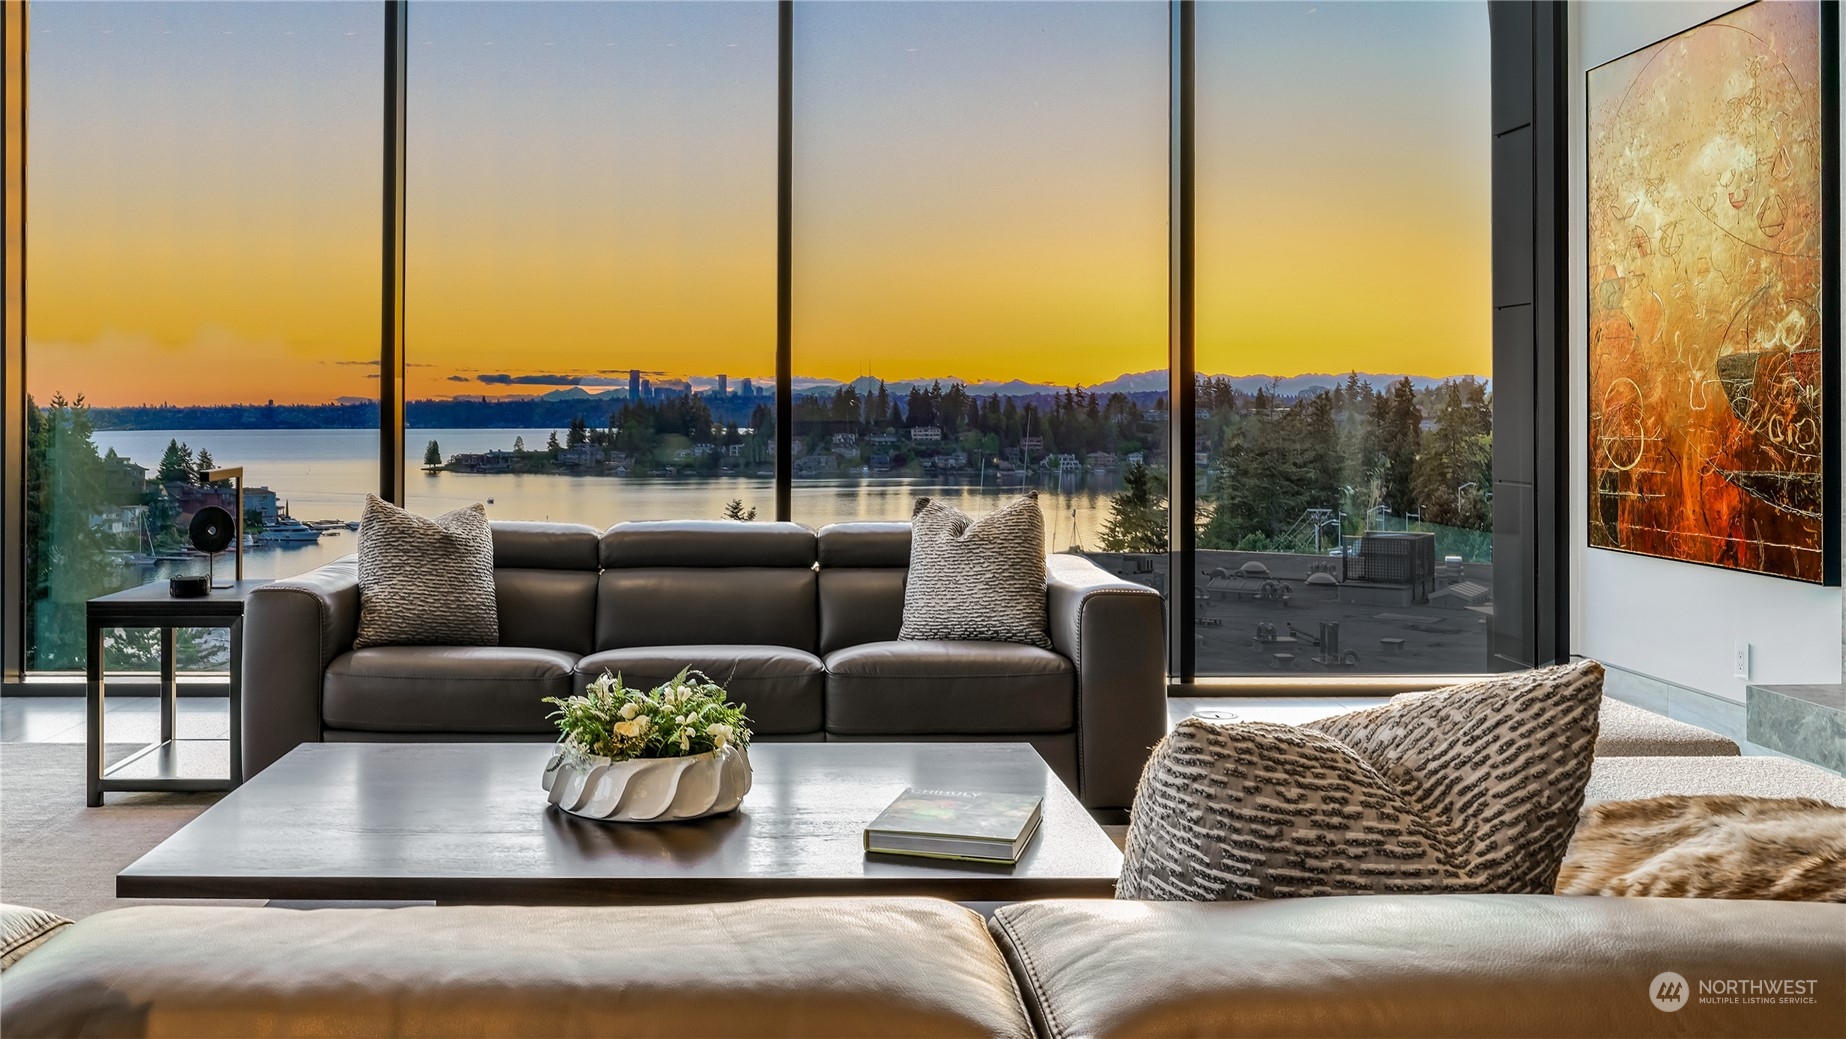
(980, 192)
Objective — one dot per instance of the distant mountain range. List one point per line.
(1143, 382)
(1135, 382)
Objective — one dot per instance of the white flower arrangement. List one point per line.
(686, 715)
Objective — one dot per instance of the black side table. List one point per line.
(172, 763)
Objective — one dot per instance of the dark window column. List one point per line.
(785, 215)
(13, 373)
(1182, 426)
(391, 302)
(1530, 291)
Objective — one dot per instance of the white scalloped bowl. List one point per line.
(647, 790)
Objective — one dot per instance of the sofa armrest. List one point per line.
(1114, 632)
(293, 629)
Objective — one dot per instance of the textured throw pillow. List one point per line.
(1473, 788)
(23, 929)
(426, 581)
(977, 579)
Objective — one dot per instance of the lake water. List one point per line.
(326, 473)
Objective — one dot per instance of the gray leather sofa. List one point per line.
(801, 626)
(1398, 965)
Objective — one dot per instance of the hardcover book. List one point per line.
(956, 824)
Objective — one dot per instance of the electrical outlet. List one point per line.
(1740, 661)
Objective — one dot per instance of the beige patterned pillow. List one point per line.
(1473, 788)
(980, 578)
(23, 929)
(425, 581)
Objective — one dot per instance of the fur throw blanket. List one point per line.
(1713, 846)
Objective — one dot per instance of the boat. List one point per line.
(287, 531)
(352, 524)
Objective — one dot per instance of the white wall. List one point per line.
(1672, 621)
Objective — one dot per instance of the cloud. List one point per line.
(504, 379)
(459, 378)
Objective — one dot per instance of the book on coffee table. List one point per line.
(955, 824)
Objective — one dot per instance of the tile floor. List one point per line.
(127, 719)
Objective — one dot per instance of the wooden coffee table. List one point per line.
(468, 822)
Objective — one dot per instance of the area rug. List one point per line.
(55, 853)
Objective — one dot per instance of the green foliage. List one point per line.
(1397, 431)
(432, 455)
(1344, 450)
(67, 556)
(1454, 470)
(176, 465)
(1137, 513)
(1255, 541)
(734, 510)
(688, 714)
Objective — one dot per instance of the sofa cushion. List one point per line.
(905, 687)
(707, 543)
(716, 606)
(425, 580)
(775, 967)
(860, 605)
(1629, 779)
(445, 688)
(980, 579)
(550, 609)
(1418, 965)
(864, 544)
(779, 687)
(1629, 731)
(546, 546)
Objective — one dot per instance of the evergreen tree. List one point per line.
(176, 464)
(1261, 485)
(67, 560)
(432, 455)
(519, 444)
(1455, 467)
(734, 510)
(1137, 514)
(1399, 432)
(579, 432)
(205, 465)
(552, 447)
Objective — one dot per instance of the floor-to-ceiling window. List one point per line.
(980, 265)
(590, 259)
(204, 291)
(980, 288)
(1344, 338)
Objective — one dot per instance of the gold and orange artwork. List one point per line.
(1706, 294)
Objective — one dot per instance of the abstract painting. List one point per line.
(1711, 329)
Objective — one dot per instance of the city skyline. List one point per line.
(980, 194)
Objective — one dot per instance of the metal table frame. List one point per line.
(150, 606)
